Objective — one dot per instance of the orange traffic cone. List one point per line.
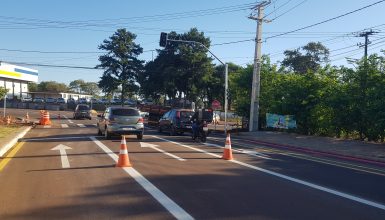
(27, 118)
(123, 160)
(46, 120)
(8, 120)
(227, 153)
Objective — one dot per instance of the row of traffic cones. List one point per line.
(124, 161)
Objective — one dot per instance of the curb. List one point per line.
(311, 151)
(9, 145)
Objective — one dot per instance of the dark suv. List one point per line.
(82, 111)
(176, 121)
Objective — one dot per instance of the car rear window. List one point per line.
(184, 114)
(83, 107)
(125, 112)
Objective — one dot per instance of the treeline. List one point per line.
(76, 86)
(325, 100)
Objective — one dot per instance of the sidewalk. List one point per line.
(348, 149)
(11, 139)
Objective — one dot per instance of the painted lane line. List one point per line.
(64, 125)
(47, 126)
(81, 125)
(8, 158)
(71, 122)
(162, 198)
(63, 155)
(305, 183)
(251, 153)
(345, 165)
(155, 147)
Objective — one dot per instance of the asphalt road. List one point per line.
(175, 177)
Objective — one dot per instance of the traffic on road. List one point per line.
(67, 170)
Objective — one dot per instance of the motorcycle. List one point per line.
(201, 132)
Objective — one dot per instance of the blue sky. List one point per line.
(80, 26)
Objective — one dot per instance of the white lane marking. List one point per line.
(64, 125)
(155, 147)
(47, 126)
(63, 155)
(162, 198)
(81, 125)
(305, 183)
(69, 120)
(248, 152)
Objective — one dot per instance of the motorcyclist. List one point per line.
(195, 125)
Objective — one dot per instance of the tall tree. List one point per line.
(3, 92)
(299, 62)
(52, 86)
(76, 85)
(121, 64)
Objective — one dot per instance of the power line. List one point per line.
(289, 10)
(56, 66)
(325, 21)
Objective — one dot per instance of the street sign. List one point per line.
(216, 104)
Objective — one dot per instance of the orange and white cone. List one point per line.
(227, 153)
(123, 160)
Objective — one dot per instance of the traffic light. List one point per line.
(163, 39)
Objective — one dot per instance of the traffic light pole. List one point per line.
(164, 40)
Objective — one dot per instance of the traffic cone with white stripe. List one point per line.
(123, 160)
(227, 153)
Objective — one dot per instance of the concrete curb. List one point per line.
(9, 145)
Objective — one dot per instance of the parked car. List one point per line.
(50, 100)
(71, 100)
(82, 111)
(176, 121)
(60, 100)
(26, 99)
(116, 101)
(83, 101)
(38, 100)
(120, 121)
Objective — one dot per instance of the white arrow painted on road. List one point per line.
(64, 159)
(155, 147)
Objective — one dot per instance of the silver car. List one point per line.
(120, 121)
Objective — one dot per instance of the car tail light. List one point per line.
(140, 121)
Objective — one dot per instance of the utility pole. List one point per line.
(363, 83)
(254, 104)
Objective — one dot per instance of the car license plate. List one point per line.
(128, 129)
(205, 128)
(188, 126)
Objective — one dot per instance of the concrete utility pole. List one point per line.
(254, 104)
(366, 34)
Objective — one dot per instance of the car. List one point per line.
(83, 101)
(26, 99)
(116, 101)
(60, 100)
(50, 100)
(82, 111)
(71, 100)
(176, 121)
(120, 121)
(38, 100)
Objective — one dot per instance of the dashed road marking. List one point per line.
(47, 126)
(81, 125)
(64, 125)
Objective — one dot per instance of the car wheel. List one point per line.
(139, 136)
(107, 134)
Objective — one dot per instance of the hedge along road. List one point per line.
(199, 186)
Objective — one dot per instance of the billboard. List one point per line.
(17, 72)
(280, 121)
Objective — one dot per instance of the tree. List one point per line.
(3, 91)
(52, 86)
(121, 64)
(90, 88)
(33, 87)
(76, 85)
(315, 54)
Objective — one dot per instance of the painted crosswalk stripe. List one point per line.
(81, 125)
(64, 125)
(47, 126)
